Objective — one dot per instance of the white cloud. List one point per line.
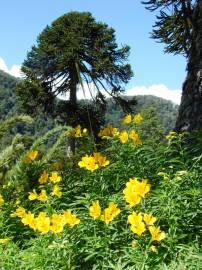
(14, 71)
(159, 90)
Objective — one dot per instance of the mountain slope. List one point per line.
(166, 110)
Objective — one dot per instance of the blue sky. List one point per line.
(21, 21)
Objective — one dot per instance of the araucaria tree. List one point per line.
(72, 49)
(179, 26)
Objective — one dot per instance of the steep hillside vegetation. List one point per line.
(166, 111)
(9, 107)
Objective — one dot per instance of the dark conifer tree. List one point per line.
(179, 26)
(72, 49)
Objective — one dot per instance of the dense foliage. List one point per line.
(174, 24)
(74, 50)
(128, 198)
(10, 107)
(166, 111)
(136, 208)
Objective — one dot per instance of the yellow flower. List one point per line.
(137, 118)
(32, 195)
(89, 163)
(4, 241)
(69, 218)
(31, 156)
(142, 188)
(100, 159)
(127, 119)
(1, 200)
(56, 191)
(110, 213)
(134, 136)
(154, 249)
(137, 225)
(138, 229)
(43, 179)
(172, 135)
(57, 223)
(19, 212)
(43, 196)
(135, 190)
(134, 218)
(149, 219)
(28, 219)
(131, 197)
(156, 233)
(134, 244)
(130, 194)
(123, 136)
(33, 224)
(55, 178)
(85, 131)
(43, 223)
(95, 210)
(77, 130)
(92, 163)
(17, 202)
(108, 131)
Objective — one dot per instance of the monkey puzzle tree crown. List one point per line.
(72, 48)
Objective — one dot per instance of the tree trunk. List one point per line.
(73, 104)
(190, 110)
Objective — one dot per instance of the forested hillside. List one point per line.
(10, 107)
(166, 111)
(7, 94)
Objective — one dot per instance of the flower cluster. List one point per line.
(41, 197)
(44, 179)
(127, 119)
(137, 118)
(93, 162)
(108, 214)
(31, 156)
(172, 135)
(125, 136)
(108, 131)
(43, 223)
(140, 222)
(135, 190)
(77, 132)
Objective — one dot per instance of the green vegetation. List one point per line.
(74, 50)
(102, 211)
(129, 196)
(11, 107)
(166, 110)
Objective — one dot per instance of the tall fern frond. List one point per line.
(10, 154)
(47, 136)
(52, 151)
(35, 146)
(9, 123)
